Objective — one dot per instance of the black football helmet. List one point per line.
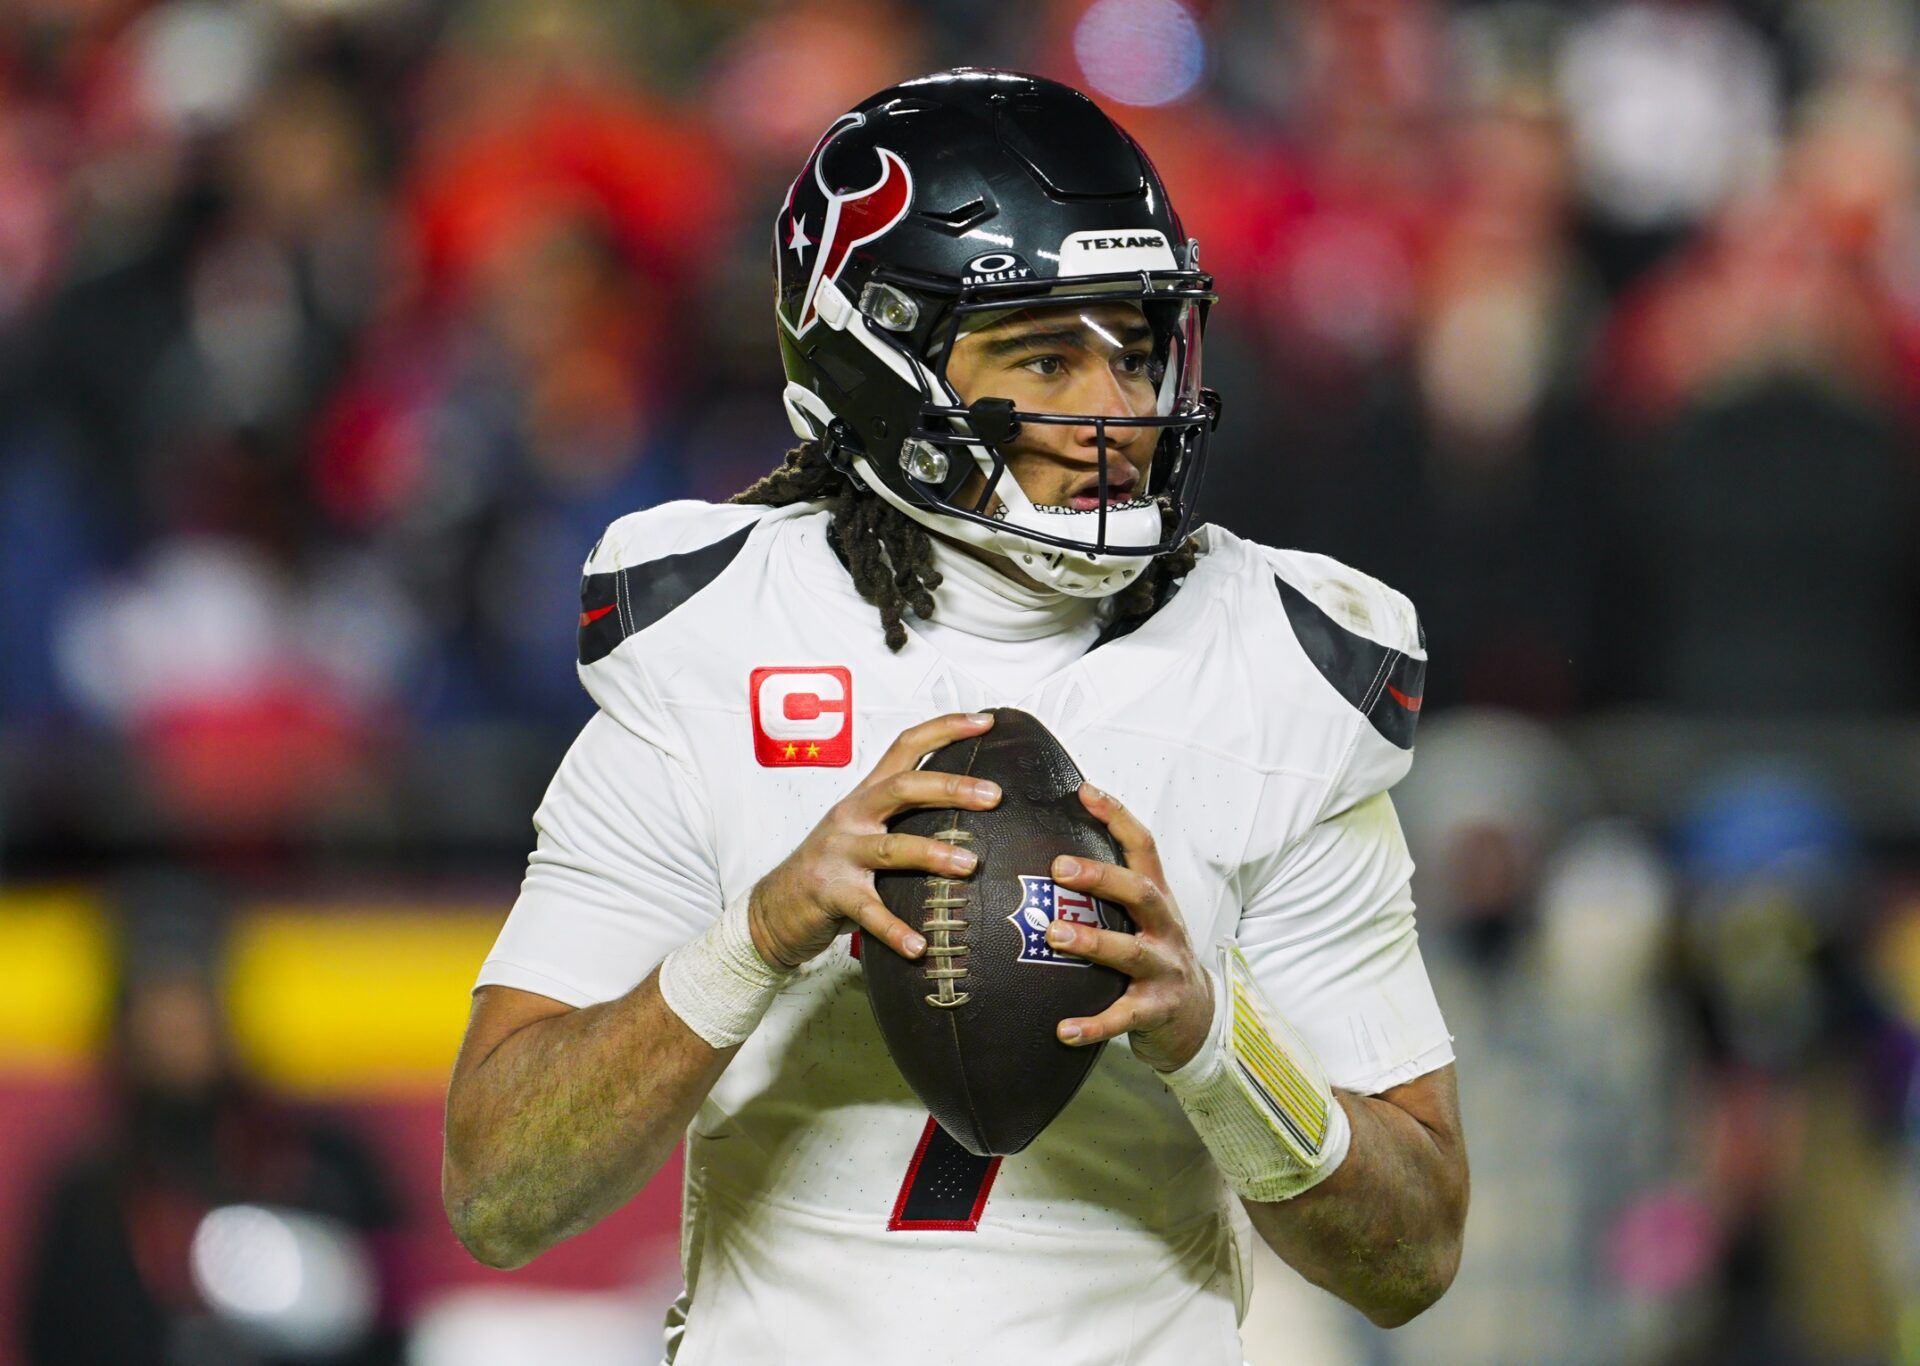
(942, 204)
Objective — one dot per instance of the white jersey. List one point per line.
(1254, 724)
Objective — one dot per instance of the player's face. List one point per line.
(1094, 359)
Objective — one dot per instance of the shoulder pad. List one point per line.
(650, 562)
(1363, 637)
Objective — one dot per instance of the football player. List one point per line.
(992, 327)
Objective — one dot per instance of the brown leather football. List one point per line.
(971, 1024)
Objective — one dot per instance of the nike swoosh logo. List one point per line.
(588, 618)
(1410, 703)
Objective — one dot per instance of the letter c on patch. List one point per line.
(802, 717)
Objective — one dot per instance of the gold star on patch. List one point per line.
(792, 750)
(813, 751)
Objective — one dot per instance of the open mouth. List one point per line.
(1089, 504)
(1120, 494)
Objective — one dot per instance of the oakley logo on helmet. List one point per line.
(1115, 249)
(994, 266)
(848, 219)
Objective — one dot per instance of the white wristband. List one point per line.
(718, 983)
(1257, 1095)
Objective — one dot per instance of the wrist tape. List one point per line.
(1257, 1095)
(718, 983)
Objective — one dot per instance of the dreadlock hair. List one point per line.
(890, 556)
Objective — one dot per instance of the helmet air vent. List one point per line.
(959, 218)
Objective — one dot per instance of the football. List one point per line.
(971, 1024)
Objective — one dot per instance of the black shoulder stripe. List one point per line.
(614, 606)
(1384, 685)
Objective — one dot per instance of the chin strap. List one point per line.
(835, 448)
(1061, 570)
(1067, 570)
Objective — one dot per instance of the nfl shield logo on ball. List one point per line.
(1043, 901)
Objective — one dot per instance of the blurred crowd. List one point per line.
(332, 332)
(1689, 1058)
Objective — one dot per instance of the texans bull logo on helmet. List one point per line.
(844, 197)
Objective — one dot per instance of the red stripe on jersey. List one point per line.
(1410, 703)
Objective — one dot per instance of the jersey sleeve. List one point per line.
(1365, 643)
(1327, 918)
(623, 874)
(648, 565)
(1329, 933)
(625, 870)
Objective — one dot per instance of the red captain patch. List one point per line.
(802, 716)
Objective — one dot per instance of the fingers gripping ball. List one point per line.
(971, 1023)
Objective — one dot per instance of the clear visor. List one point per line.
(1117, 359)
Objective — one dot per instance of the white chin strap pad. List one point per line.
(1075, 574)
(1066, 571)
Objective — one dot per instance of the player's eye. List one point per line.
(1044, 365)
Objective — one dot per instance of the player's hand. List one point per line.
(797, 909)
(1168, 1006)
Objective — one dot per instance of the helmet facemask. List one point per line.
(934, 208)
(1130, 344)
